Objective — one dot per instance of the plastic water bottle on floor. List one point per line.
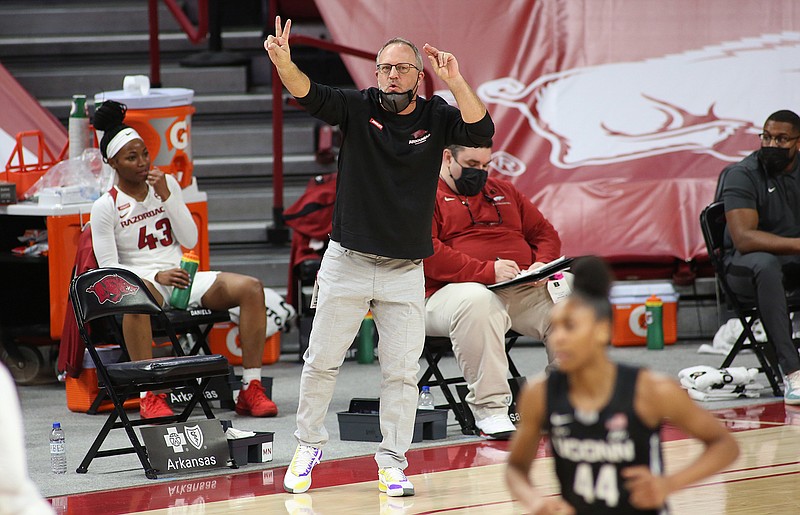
(425, 398)
(58, 451)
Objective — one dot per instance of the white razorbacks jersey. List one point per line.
(144, 237)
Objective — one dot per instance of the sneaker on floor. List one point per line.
(298, 476)
(394, 483)
(254, 401)
(154, 406)
(496, 427)
(791, 394)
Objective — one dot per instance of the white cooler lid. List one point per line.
(156, 98)
(642, 289)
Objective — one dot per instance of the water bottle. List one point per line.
(425, 398)
(653, 312)
(58, 451)
(180, 296)
(78, 126)
(365, 351)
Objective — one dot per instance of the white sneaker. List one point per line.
(298, 476)
(791, 394)
(394, 483)
(496, 427)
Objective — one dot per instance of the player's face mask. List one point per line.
(398, 102)
(774, 159)
(471, 182)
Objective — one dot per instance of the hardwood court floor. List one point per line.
(469, 479)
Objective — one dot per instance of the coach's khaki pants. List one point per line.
(476, 320)
(350, 284)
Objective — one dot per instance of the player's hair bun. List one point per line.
(592, 277)
(109, 115)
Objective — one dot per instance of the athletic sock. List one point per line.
(250, 374)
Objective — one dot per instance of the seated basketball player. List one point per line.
(140, 225)
(604, 419)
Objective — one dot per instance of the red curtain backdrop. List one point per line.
(614, 116)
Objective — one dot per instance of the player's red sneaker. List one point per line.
(254, 401)
(154, 406)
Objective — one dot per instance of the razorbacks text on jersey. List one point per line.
(592, 449)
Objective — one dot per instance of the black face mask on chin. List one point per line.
(471, 182)
(397, 102)
(774, 159)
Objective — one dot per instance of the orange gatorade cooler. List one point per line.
(629, 318)
(163, 117)
(224, 339)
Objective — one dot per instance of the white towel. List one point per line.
(727, 335)
(279, 313)
(704, 378)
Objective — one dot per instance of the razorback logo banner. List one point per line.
(112, 288)
(625, 111)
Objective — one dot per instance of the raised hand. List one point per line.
(277, 46)
(156, 178)
(443, 63)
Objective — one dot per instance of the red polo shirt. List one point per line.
(470, 233)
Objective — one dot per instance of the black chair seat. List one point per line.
(163, 370)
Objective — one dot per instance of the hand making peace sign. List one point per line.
(277, 46)
(444, 63)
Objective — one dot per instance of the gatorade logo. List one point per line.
(174, 136)
(179, 135)
(637, 321)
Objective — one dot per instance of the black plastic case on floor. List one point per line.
(360, 423)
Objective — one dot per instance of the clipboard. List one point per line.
(537, 274)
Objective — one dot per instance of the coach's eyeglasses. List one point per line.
(402, 68)
(491, 201)
(766, 138)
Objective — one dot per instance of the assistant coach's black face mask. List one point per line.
(774, 159)
(471, 182)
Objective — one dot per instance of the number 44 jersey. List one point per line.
(592, 449)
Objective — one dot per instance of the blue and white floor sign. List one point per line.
(195, 445)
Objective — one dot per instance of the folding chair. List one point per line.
(713, 223)
(437, 347)
(107, 292)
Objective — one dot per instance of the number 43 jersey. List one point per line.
(142, 236)
(592, 449)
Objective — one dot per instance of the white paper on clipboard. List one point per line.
(536, 274)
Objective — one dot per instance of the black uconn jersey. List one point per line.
(592, 449)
